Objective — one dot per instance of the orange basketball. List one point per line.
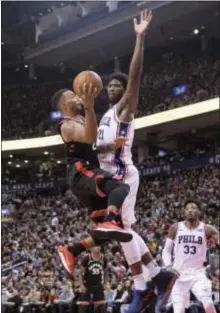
(87, 77)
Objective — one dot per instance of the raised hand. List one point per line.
(145, 20)
(88, 94)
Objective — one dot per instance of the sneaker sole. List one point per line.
(64, 262)
(103, 233)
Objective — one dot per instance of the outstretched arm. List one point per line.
(128, 104)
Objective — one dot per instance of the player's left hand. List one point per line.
(145, 20)
(118, 143)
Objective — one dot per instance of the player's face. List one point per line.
(70, 102)
(96, 250)
(191, 212)
(115, 91)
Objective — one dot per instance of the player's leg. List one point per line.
(101, 184)
(136, 251)
(202, 289)
(180, 295)
(69, 253)
(131, 249)
(84, 302)
(99, 300)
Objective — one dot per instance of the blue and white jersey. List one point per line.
(110, 127)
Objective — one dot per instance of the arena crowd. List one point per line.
(33, 277)
(169, 81)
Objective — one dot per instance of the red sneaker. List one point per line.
(110, 230)
(67, 258)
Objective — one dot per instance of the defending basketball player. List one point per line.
(118, 124)
(188, 241)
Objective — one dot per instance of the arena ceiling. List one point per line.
(176, 20)
(172, 21)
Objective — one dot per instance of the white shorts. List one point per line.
(197, 282)
(132, 179)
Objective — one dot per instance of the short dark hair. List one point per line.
(56, 97)
(123, 78)
(192, 201)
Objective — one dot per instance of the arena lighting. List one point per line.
(10, 156)
(9, 162)
(58, 162)
(26, 66)
(202, 27)
(46, 152)
(148, 121)
(196, 31)
(17, 165)
(2, 43)
(171, 38)
(26, 161)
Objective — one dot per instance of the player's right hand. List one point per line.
(173, 270)
(87, 94)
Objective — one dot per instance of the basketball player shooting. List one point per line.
(188, 240)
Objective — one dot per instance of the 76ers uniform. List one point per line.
(190, 247)
(119, 162)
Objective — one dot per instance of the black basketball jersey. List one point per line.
(94, 271)
(77, 151)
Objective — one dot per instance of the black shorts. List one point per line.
(94, 293)
(84, 183)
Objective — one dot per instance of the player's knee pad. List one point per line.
(131, 251)
(207, 304)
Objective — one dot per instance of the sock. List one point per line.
(81, 246)
(153, 268)
(139, 282)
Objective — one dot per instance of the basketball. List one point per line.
(87, 77)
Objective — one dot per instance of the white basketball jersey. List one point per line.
(190, 247)
(110, 128)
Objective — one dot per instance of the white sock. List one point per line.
(153, 268)
(139, 282)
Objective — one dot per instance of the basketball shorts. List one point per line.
(197, 282)
(84, 183)
(132, 179)
(94, 294)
